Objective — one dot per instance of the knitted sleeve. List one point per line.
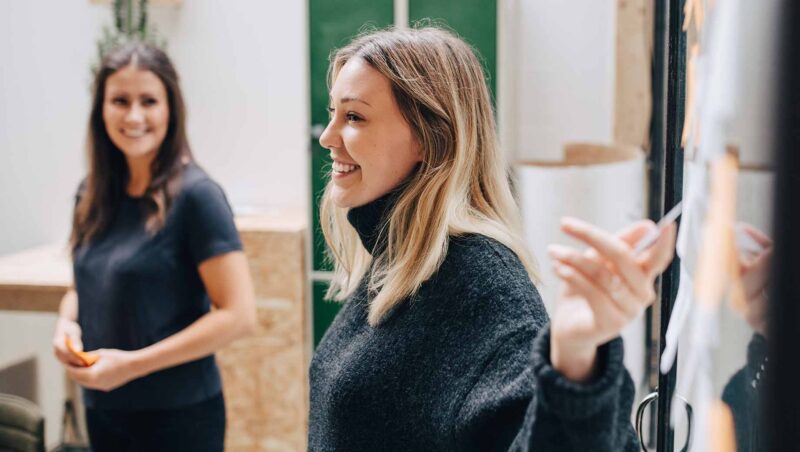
(521, 403)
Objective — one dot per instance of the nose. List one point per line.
(330, 137)
(135, 114)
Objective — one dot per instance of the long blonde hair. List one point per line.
(461, 186)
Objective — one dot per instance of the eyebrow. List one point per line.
(347, 99)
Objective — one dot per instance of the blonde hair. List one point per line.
(461, 186)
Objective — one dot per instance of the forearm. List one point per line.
(592, 415)
(227, 280)
(576, 363)
(205, 336)
(68, 308)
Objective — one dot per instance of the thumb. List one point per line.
(634, 232)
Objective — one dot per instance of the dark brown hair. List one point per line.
(107, 179)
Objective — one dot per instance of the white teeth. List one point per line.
(134, 133)
(343, 167)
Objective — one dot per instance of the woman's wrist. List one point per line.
(141, 362)
(575, 362)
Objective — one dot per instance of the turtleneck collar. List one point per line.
(369, 219)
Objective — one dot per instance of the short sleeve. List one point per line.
(209, 222)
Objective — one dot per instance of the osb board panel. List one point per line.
(266, 375)
(633, 90)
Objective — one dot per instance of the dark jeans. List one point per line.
(198, 427)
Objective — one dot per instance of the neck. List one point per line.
(139, 175)
(370, 219)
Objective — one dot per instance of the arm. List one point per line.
(67, 325)
(521, 403)
(227, 280)
(604, 289)
(579, 394)
(582, 390)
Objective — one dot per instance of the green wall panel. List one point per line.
(331, 25)
(473, 20)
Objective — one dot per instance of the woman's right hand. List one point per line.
(604, 288)
(67, 328)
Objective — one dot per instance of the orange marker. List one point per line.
(86, 358)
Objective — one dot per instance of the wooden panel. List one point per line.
(633, 95)
(266, 375)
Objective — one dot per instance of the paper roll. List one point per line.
(604, 185)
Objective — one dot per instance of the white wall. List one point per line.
(244, 72)
(559, 57)
(243, 66)
(753, 126)
(45, 49)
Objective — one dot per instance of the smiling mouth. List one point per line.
(341, 169)
(134, 133)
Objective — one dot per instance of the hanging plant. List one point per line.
(130, 23)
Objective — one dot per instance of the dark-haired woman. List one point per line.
(154, 247)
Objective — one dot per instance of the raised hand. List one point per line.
(604, 288)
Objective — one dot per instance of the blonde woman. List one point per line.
(443, 342)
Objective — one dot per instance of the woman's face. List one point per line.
(136, 112)
(371, 144)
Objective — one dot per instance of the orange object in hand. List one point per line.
(86, 358)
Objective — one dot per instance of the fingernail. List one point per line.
(555, 251)
(568, 221)
(572, 223)
(561, 270)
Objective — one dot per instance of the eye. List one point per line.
(330, 111)
(352, 117)
(119, 101)
(149, 101)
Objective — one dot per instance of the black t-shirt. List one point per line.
(136, 288)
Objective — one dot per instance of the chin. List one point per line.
(344, 200)
(138, 153)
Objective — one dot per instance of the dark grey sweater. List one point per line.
(463, 365)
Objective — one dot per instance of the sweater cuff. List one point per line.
(571, 400)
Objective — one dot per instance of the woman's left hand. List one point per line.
(604, 289)
(113, 369)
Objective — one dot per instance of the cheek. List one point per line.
(162, 118)
(109, 116)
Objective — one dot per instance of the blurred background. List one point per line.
(253, 76)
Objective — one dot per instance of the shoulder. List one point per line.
(194, 180)
(197, 187)
(480, 256)
(489, 278)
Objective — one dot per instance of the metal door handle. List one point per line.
(650, 398)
